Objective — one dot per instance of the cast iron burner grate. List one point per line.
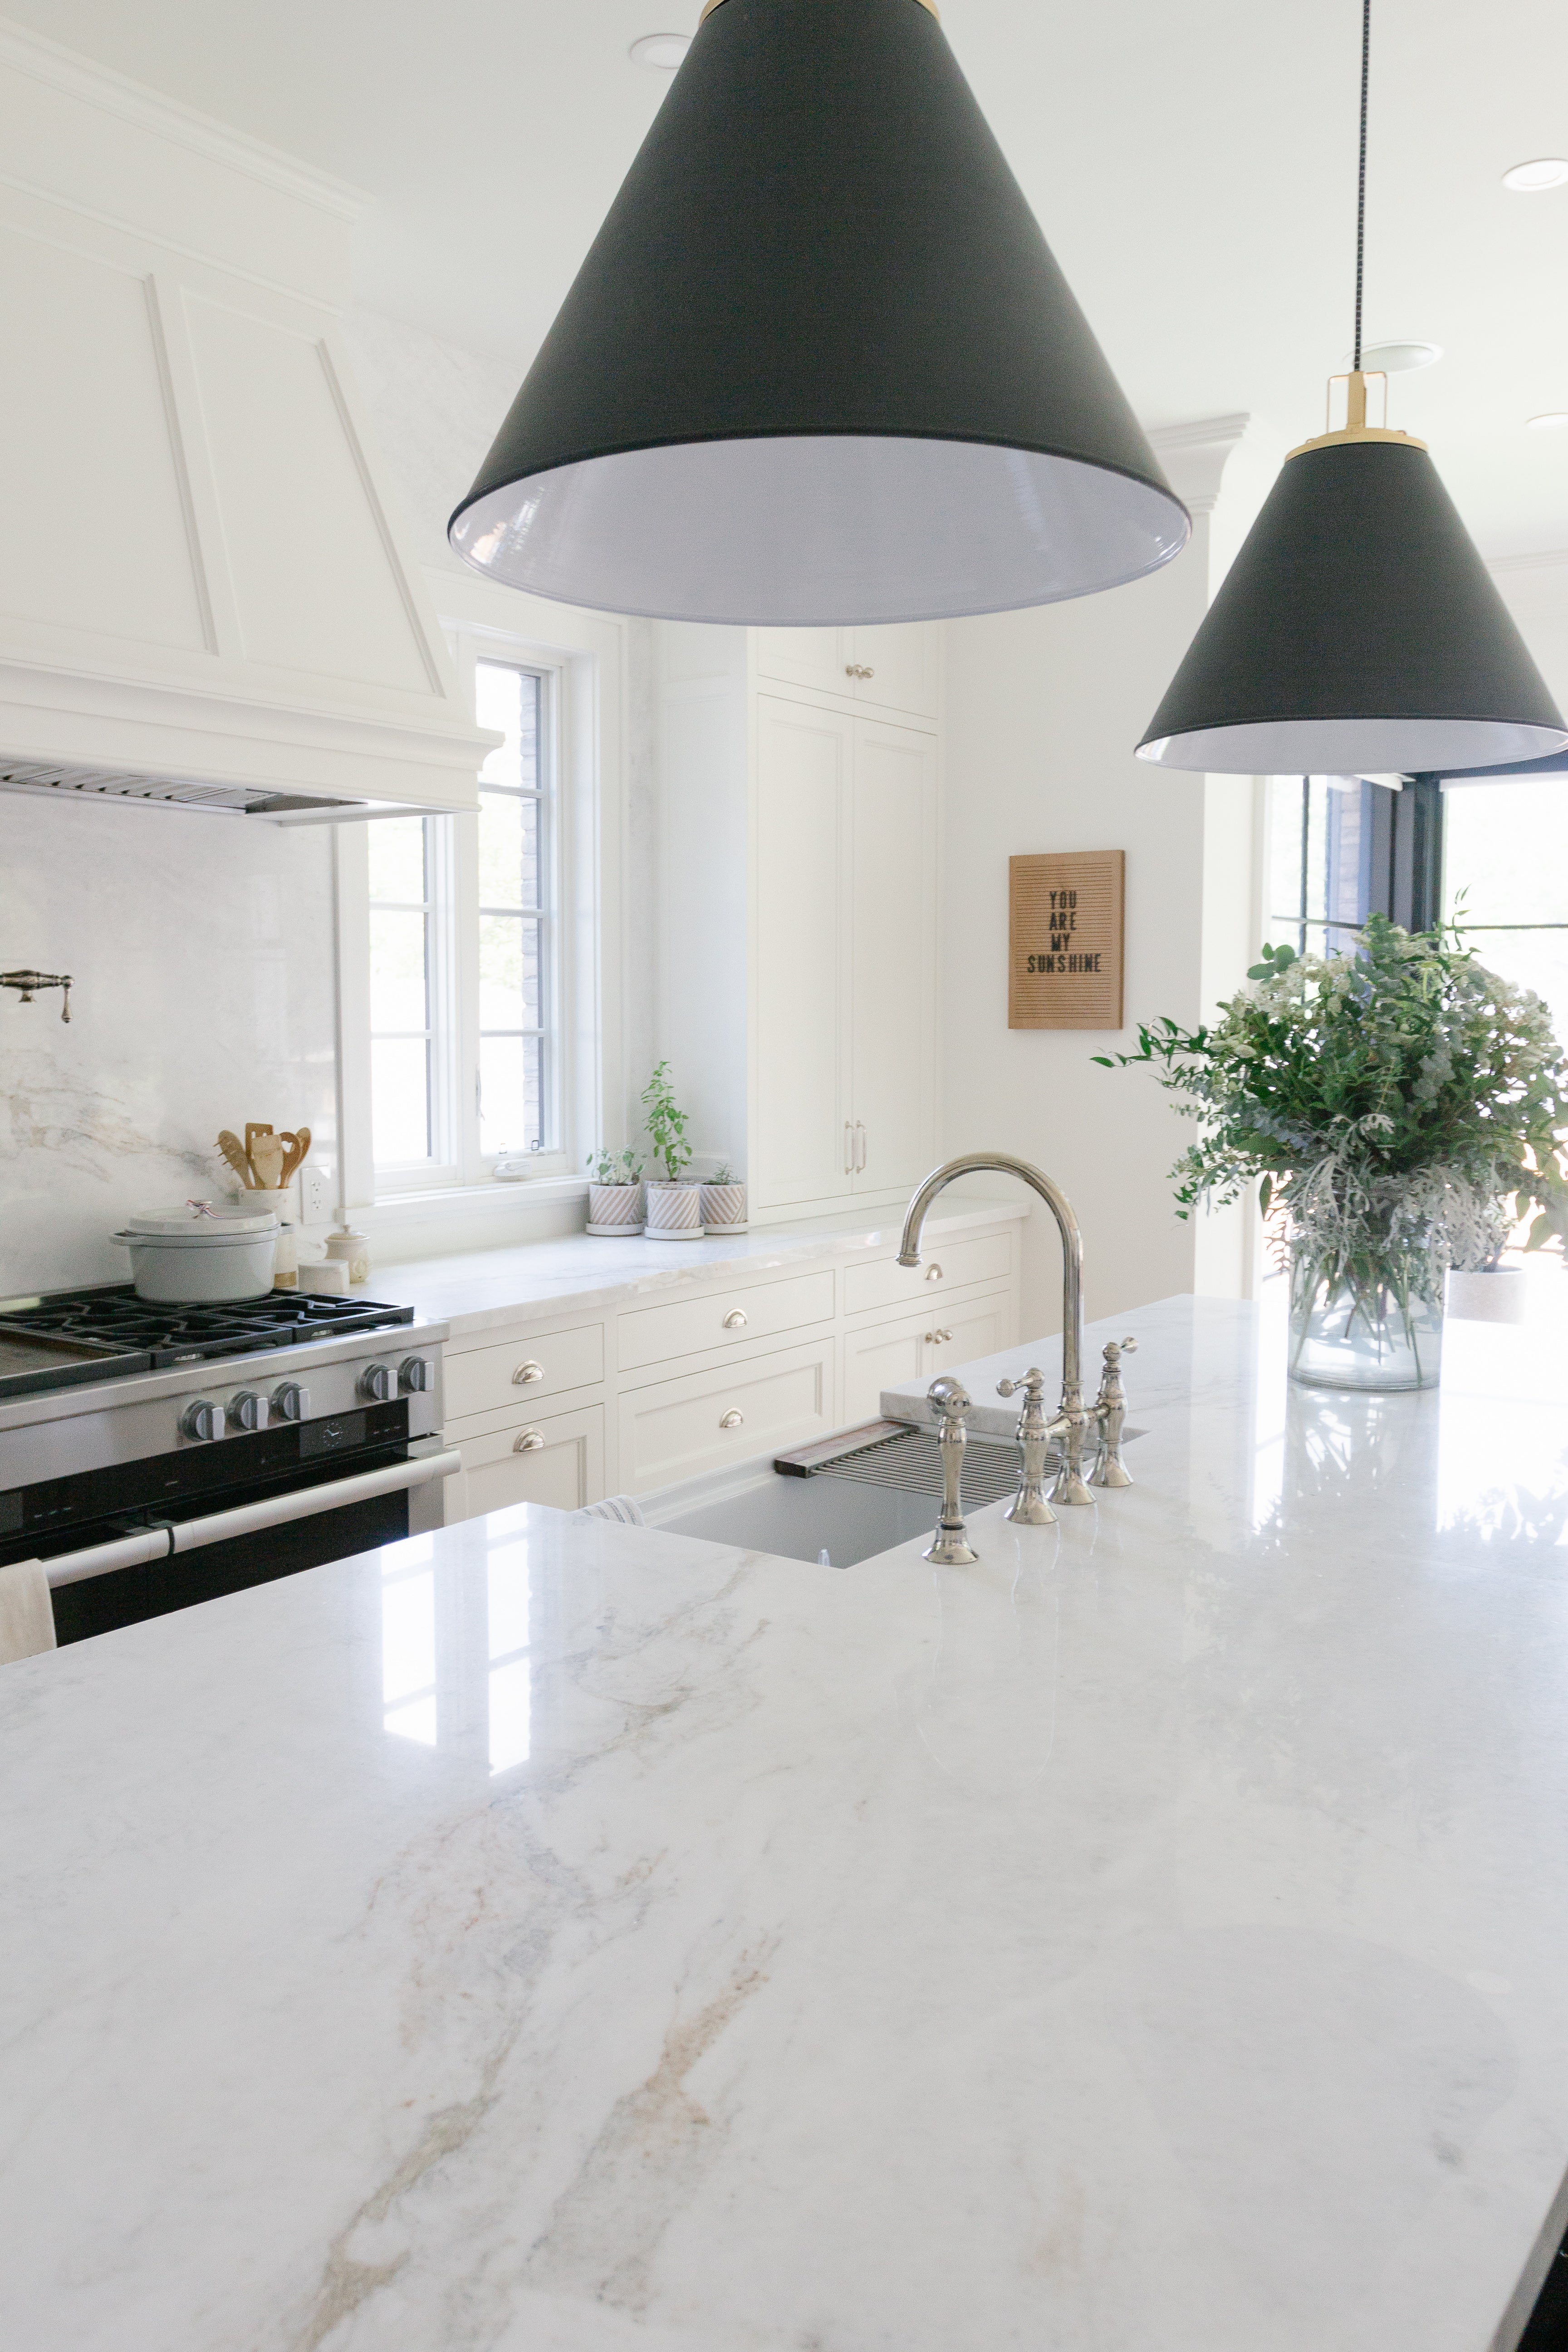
(111, 1317)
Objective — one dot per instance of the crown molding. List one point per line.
(115, 93)
(1194, 455)
(1553, 558)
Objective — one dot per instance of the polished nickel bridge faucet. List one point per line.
(1074, 1423)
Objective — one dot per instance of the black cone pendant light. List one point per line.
(1358, 631)
(819, 365)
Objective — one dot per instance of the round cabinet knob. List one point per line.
(733, 1420)
(414, 1375)
(291, 1401)
(529, 1442)
(943, 1337)
(377, 1384)
(735, 1320)
(526, 1374)
(202, 1421)
(247, 1411)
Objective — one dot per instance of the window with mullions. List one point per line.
(1340, 849)
(513, 913)
(462, 956)
(1505, 881)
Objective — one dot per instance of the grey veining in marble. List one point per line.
(556, 1936)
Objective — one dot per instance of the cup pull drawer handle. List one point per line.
(529, 1442)
(528, 1372)
(933, 1274)
(736, 1319)
(733, 1420)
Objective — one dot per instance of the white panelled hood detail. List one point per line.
(206, 598)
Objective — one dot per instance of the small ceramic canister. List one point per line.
(348, 1248)
(286, 1264)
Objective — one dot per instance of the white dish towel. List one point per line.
(27, 1613)
(622, 1509)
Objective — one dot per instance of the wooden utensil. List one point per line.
(253, 1128)
(233, 1150)
(266, 1158)
(296, 1146)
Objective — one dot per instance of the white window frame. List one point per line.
(582, 703)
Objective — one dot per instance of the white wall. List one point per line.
(201, 949)
(1044, 708)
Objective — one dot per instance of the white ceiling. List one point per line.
(1192, 166)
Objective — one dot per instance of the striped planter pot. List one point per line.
(674, 1211)
(723, 1208)
(615, 1211)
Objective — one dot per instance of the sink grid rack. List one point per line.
(894, 1453)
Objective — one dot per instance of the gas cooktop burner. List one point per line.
(67, 1336)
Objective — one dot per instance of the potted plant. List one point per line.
(1392, 1102)
(674, 1201)
(615, 1193)
(723, 1203)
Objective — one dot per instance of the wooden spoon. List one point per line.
(233, 1150)
(296, 1147)
(266, 1158)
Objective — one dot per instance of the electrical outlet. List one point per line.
(315, 1193)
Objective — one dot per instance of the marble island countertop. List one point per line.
(472, 1291)
(556, 1936)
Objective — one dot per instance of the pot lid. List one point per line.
(208, 1220)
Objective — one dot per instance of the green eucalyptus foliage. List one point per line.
(1391, 1100)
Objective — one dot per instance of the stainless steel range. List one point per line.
(154, 1456)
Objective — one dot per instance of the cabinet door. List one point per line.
(558, 1459)
(885, 1357)
(818, 657)
(893, 956)
(963, 1333)
(903, 664)
(800, 1043)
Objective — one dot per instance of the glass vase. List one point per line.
(1377, 1325)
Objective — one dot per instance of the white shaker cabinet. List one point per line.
(895, 669)
(799, 906)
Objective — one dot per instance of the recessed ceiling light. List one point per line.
(1549, 422)
(1397, 359)
(660, 51)
(1534, 179)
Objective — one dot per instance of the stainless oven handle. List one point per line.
(249, 1519)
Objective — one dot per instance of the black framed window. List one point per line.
(1340, 850)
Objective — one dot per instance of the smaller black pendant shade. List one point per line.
(819, 364)
(1357, 633)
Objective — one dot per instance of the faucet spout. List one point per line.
(1002, 1163)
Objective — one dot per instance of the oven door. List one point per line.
(127, 1575)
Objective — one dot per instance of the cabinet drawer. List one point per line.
(947, 1265)
(676, 1428)
(882, 1356)
(523, 1371)
(557, 1459)
(725, 1318)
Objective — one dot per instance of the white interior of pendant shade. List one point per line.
(1349, 747)
(820, 528)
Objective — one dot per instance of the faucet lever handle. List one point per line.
(1116, 1348)
(1032, 1385)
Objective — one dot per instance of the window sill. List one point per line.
(454, 1217)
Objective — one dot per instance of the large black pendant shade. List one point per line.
(1357, 633)
(819, 364)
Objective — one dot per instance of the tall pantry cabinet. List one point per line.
(799, 787)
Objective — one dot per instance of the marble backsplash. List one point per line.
(201, 949)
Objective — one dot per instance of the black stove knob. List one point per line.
(247, 1411)
(291, 1401)
(203, 1421)
(414, 1375)
(378, 1384)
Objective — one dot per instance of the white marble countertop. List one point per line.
(477, 1290)
(554, 1936)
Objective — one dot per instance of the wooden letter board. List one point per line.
(1064, 944)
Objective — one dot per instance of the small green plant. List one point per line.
(666, 1123)
(721, 1174)
(605, 1168)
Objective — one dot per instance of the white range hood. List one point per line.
(205, 597)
